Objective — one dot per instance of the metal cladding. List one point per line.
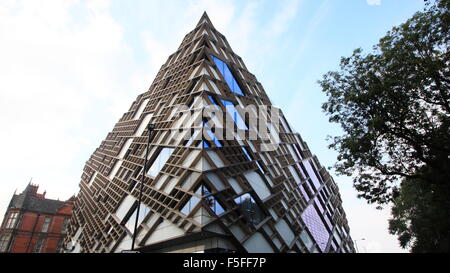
(255, 188)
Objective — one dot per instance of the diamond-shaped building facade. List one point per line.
(203, 192)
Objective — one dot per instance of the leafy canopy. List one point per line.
(421, 215)
(394, 106)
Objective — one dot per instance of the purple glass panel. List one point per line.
(312, 174)
(310, 187)
(333, 245)
(297, 151)
(301, 171)
(328, 222)
(304, 193)
(319, 205)
(323, 197)
(316, 226)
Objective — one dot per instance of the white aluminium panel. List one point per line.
(257, 184)
(125, 206)
(258, 244)
(115, 169)
(285, 231)
(125, 148)
(140, 109)
(143, 124)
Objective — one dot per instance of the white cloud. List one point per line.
(281, 20)
(55, 72)
(373, 2)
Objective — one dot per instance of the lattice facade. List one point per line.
(202, 193)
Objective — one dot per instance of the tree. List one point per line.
(394, 107)
(420, 216)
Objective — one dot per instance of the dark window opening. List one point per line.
(251, 210)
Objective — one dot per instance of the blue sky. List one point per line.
(71, 68)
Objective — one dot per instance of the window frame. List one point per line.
(65, 225)
(228, 76)
(39, 243)
(5, 240)
(45, 224)
(12, 220)
(155, 158)
(251, 215)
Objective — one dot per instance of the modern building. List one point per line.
(254, 190)
(34, 224)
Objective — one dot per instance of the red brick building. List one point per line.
(33, 223)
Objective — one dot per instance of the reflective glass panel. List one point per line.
(211, 201)
(160, 161)
(250, 208)
(316, 226)
(191, 203)
(228, 76)
(231, 109)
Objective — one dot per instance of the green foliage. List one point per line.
(421, 215)
(394, 106)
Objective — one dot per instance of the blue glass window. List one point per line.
(206, 144)
(228, 76)
(247, 154)
(231, 109)
(212, 100)
(212, 137)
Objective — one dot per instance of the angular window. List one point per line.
(140, 110)
(160, 161)
(247, 154)
(306, 239)
(4, 242)
(253, 213)
(312, 174)
(205, 144)
(46, 223)
(231, 109)
(92, 178)
(12, 220)
(337, 237)
(131, 219)
(59, 246)
(65, 225)
(190, 205)
(228, 76)
(316, 226)
(260, 168)
(125, 206)
(194, 137)
(249, 157)
(212, 202)
(39, 245)
(213, 138)
(305, 194)
(213, 100)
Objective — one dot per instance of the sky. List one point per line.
(70, 69)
